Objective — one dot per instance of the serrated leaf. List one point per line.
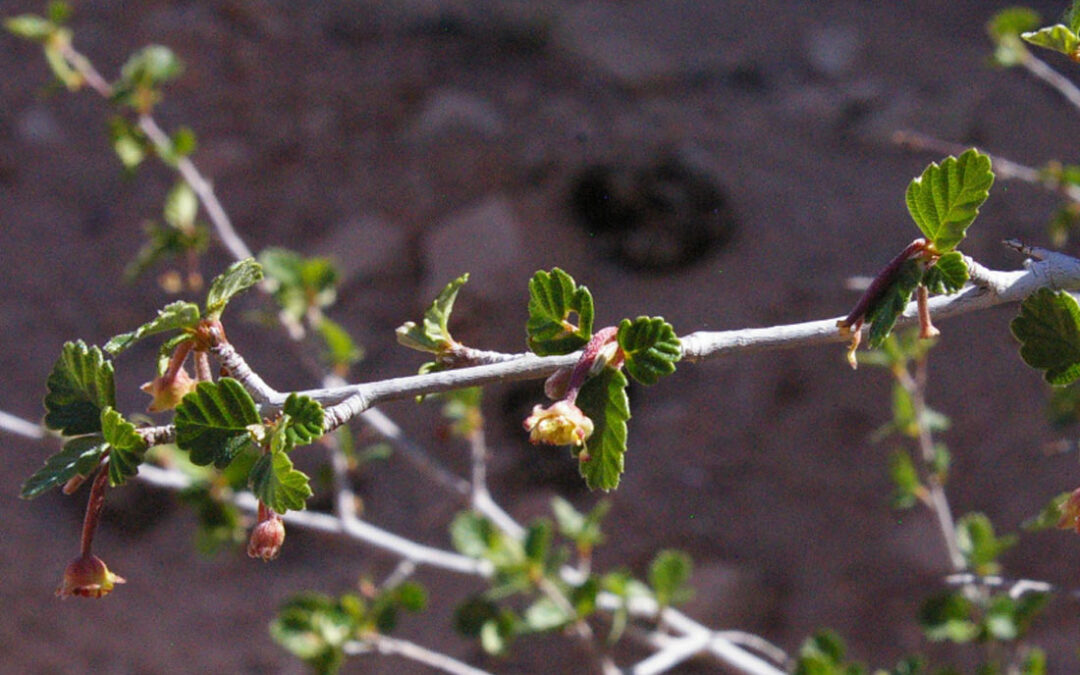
(80, 387)
(30, 27)
(433, 335)
(79, 457)
(212, 422)
(174, 316)
(884, 313)
(669, 573)
(945, 199)
(304, 420)
(127, 447)
(948, 275)
(554, 299)
(1048, 328)
(1058, 38)
(181, 206)
(603, 399)
(278, 484)
(651, 348)
(237, 278)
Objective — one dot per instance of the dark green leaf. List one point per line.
(30, 27)
(212, 422)
(58, 11)
(905, 479)
(80, 387)
(80, 456)
(554, 299)
(183, 143)
(1057, 38)
(238, 277)
(979, 545)
(651, 348)
(411, 596)
(823, 654)
(127, 446)
(174, 316)
(945, 199)
(304, 420)
(1048, 329)
(583, 597)
(278, 484)
(314, 628)
(948, 275)
(433, 336)
(471, 615)
(883, 315)
(669, 573)
(947, 616)
(537, 542)
(603, 399)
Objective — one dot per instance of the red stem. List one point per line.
(176, 361)
(881, 283)
(93, 509)
(581, 370)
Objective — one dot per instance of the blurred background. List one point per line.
(724, 164)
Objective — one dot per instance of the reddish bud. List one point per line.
(87, 577)
(1070, 513)
(267, 537)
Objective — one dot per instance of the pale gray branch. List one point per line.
(390, 646)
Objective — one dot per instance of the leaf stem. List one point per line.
(93, 510)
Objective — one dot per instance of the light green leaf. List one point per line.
(181, 206)
(299, 283)
(473, 535)
(545, 615)
(1005, 28)
(146, 69)
(979, 545)
(651, 348)
(883, 315)
(1049, 517)
(669, 573)
(129, 142)
(127, 447)
(905, 479)
(1048, 328)
(212, 422)
(433, 335)
(583, 530)
(945, 199)
(304, 420)
(238, 277)
(948, 275)
(58, 64)
(554, 299)
(79, 457)
(1057, 38)
(167, 242)
(30, 27)
(278, 484)
(603, 399)
(315, 628)
(341, 350)
(80, 387)
(174, 316)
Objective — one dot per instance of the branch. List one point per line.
(394, 646)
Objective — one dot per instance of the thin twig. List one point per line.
(390, 646)
(1065, 87)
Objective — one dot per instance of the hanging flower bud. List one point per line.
(561, 423)
(168, 393)
(87, 577)
(267, 536)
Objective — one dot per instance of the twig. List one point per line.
(20, 427)
(1065, 87)
(390, 646)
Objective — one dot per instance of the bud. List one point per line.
(168, 394)
(87, 577)
(1070, 512)
(561, 423)
(267, 537)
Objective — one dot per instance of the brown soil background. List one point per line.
(420, 139)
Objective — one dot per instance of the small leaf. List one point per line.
(212, 422)
(341, 350)
(473, 535)
(603, 399)
(583, 530)
(129, 142)
(314, 628)
(948, 275)
(305, 420)
(58, 63)
(167, 242)
(553, 300)
(127, 447)
(1005, 28)
(537, 542)
(1048, 328)
(238, 277)
(545, 615)
(651, 348)
(1049, 517)
(669, 573)
(947, 616)
(278, 484)
(433, 335)
(411, 596)
(181, 144)
(143, 73)
(945, 199)
(821, 654)
(299, 283)
(80, 387)
(883, 315)
(174, 316)
(1034, 663)
(979, 545)
(1057, 38)
(30, 27)
(181, 206)
(905, 479)
(79, 457)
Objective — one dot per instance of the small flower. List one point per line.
(267, 537)
(561, 423)
(1070, 512)
(168, 394)
(87, 577)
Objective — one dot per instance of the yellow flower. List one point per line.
(87, 577)
(561, 423)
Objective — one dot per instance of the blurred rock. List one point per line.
(450, 111)
(367, 247)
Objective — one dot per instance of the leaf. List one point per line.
(167, 242)
(1049, 517)
(127, 446)
(883, 315)
(305, 420)
(553, 300)
(1048, 328)
(945, 199)
(79, 457)
(299, 283)
(948, 275)
(174, 316)
(669, 573)
(583, 530)
(473, 535)
(30, 27)
(58, 64)
(433, 335)
(545, 615)
(947, 616)
(651, 348)
(1005, 28)
(129, 142)
(278, 484)
(314, 628)
(181, 206)
(146, 70)
(341, 350)
(80, 387)
(979, 545)
(1057, 38)
(905, 480)
(537, 542)
(212, 422)
(238, 277)
(603, 399)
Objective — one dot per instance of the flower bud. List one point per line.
(561, 423)
(267, 537)
(87, 577)
(168, 394)
(1070, 512)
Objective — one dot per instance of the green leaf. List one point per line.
(479, 617)
(1057, 38)
(537, 542)
(1048, 328)
(603, 399)
(220, 523)
(583, 530)
(948, 275)
(145, 71)
(945, 199)
(411, 596)
(822, 654)
(174, 316)
(473, 535)
(315, 628)
(278, 484)
(181, 144)
(884, 313)
(433, 335)
(128, 141)
(1034, 663)
(167, 242)
(80, 387)
(30, 27)
(299, 283)
(181, 206)
(979, 545)
(554, 299)
(669, 573)
(79, 457)
(1005, 28)
(304, 420)
(1048, 518)
(545, 615)
(651, 348)
(127, 446)
(341, 350)
(947, 616)
(237, 278)
(212, 422)
(905, 479)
